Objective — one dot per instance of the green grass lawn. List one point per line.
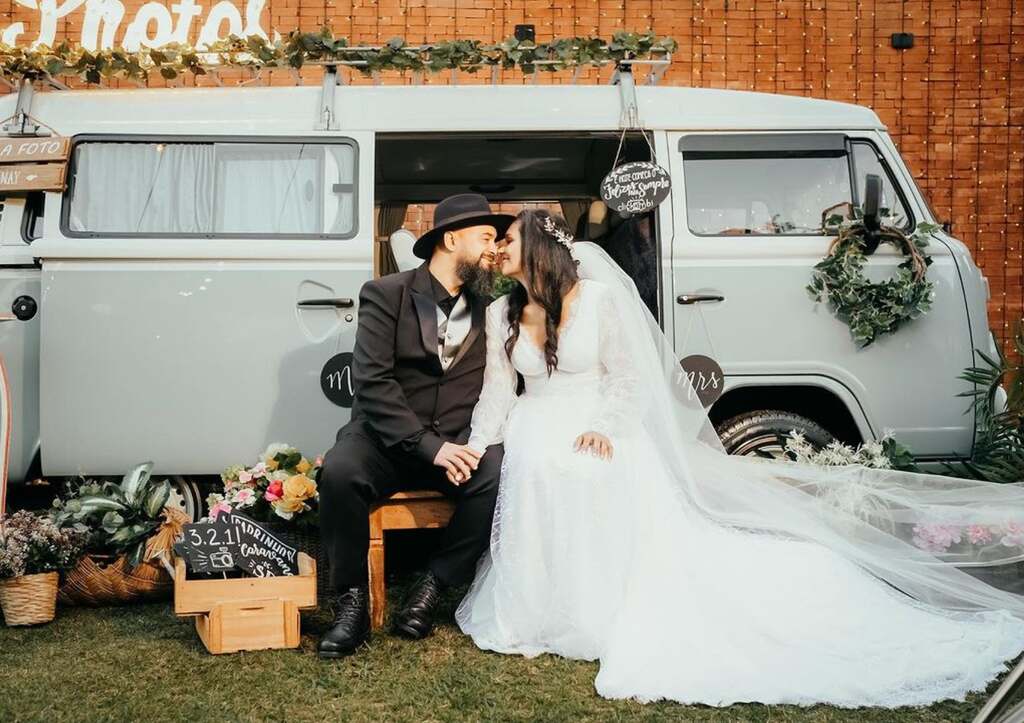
(141, 663)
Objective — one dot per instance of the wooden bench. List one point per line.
(412, 510)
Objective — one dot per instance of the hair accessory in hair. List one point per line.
(561, 236)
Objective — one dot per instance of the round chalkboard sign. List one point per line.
(706, 378)
(635, 188)
(336, 380)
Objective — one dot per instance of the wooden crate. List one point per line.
(247, 613)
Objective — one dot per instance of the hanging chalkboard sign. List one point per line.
(635, 188)
(233, 541)
(707, 380)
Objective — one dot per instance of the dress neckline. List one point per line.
(574, 306)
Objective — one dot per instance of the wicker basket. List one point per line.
(30, 599)
(305, 541)
(106, 580)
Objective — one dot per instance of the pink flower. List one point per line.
(221, 506)
(936, 538)
(1014, 536)
(979, 535)
(319, 461)
(243, 496)
(245, 476)
(274, 491)
(260, 470)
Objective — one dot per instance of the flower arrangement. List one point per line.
(282, 485)
(31, 544)
(886, 453)
(940, 537)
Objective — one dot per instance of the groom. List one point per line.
(418, 367)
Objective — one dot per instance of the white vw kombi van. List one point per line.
(181, 299)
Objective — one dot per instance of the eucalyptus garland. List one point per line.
(872, 309)
(299, 48)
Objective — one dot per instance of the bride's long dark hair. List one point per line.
(550, 273)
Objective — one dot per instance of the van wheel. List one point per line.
(763, 432)
(187, 495)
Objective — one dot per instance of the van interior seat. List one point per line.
(401, 242)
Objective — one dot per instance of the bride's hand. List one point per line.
(594, 443)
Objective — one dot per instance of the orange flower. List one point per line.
(303, 466)
(299, 487)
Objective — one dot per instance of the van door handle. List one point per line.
(338, 303)
(697, 298)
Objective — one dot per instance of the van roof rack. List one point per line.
(22, 124)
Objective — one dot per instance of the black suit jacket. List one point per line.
(401, 390)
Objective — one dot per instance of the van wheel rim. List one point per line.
(766, 443)
(186, 496)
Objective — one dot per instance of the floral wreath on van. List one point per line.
(872, 309)
(298, 48)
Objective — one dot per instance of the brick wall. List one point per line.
(954, 103)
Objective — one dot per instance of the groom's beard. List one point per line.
(476, 280)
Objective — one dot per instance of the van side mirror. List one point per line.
(872, 199)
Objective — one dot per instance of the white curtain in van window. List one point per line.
(269, 188)
(143, 188)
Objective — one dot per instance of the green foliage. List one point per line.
(998, 454)
(872, 309)
(121, 517)
(297, 48)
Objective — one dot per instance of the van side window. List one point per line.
(32, 217)
(867, 160)
(774, 184)
(213, 189)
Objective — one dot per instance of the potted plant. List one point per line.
(33, 551)
(131, 531)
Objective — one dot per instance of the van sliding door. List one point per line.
(195, 292)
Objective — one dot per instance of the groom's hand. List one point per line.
(458, 461)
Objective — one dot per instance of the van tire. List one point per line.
(760, 431)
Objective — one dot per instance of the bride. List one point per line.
(624, 533)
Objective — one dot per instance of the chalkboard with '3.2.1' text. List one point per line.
(635, 188)
(233, 541)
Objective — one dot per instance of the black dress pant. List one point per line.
(358, 471)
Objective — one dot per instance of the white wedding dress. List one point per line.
(607, 560)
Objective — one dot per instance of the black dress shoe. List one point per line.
(416, 618)
(351, 627)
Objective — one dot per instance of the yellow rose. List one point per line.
(271, 464)
(289, 504)
(303, 466)
(299, 487)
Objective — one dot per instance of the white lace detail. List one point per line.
(621, 391)
(499, 387)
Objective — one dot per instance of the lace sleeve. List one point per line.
(499, 389)
(621, 388)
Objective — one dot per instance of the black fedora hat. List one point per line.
(460, 211)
